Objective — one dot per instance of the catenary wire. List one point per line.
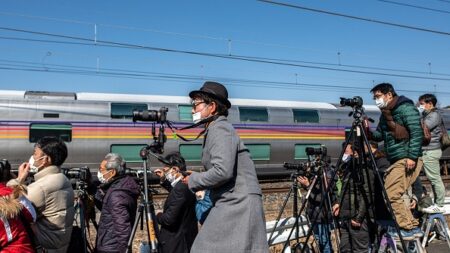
(355, 17)
(222, 56)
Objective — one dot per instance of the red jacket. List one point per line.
(13, 235)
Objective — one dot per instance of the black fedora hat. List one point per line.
(214, 90)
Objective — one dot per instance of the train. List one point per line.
(94, 124)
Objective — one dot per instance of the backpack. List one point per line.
(445, 140)
(426, 133)
(401, 133)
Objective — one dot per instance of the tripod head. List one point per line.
(317, 159)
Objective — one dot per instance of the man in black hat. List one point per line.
(231, 178)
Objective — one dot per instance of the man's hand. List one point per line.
(303, 181)
(336, 210)
(24, 170)
(200, 195)
(186, 175)
(413, 204)
(356, 224)
(410, 164)
(160, 174)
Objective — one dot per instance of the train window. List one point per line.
(191, 152)
(185, 112)
(129, 152)
(253, 114)
(300, 150)
(305, 116)
(61, 131)
(125, 110)
(51, 115)
(259, 152)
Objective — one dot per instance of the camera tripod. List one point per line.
(359, 127)
(81, 198)
(146, 210)
(318, 178)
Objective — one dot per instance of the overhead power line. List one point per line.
(229, 41)
(145, 75)
(355, 17)
(91, 42)
(248, 57)
(414, 6)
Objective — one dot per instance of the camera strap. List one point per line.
(201, 122)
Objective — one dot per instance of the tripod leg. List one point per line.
(82, 225)
(383, 190)
(330, 207)
(279, 216)
(133, 231)
(151, 227)
(297, 215)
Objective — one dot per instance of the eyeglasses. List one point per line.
(375, 97)
(194, 105)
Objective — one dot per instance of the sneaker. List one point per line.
(417, 232)
(406, 234)
(433, 209)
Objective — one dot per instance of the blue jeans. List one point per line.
(322, 233)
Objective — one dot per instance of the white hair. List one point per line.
(115, 162)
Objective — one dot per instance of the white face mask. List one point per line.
(346, 158)
(421, 109)
(33, 168)
(380, 103)
(101, 177)
(197, 117)
(170, 177)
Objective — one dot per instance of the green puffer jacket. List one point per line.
(406, 114)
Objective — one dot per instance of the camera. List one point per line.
(353, 102)
(159, 116)
(301, 168)
(82, 173)
(322, 151)
(79, 178)
(5, 166)
(137, 173)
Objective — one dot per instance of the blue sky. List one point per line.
(166, 41)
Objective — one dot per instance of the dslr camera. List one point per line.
(137, 173)
(159, 116)
(356, 101)
(82, 173)
(301, 169)
(310, 151)
(79, 178)
(4, 165)
(5, 168)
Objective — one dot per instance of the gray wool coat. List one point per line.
(236, 221)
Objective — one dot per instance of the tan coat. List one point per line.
(53, 198)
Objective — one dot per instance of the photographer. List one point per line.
(352, 208)
(231, 177)
(323, 220)
(432, 151)
(17, 213)
(51, 194)
(178, 222)
(400, 130)
(117, 199)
